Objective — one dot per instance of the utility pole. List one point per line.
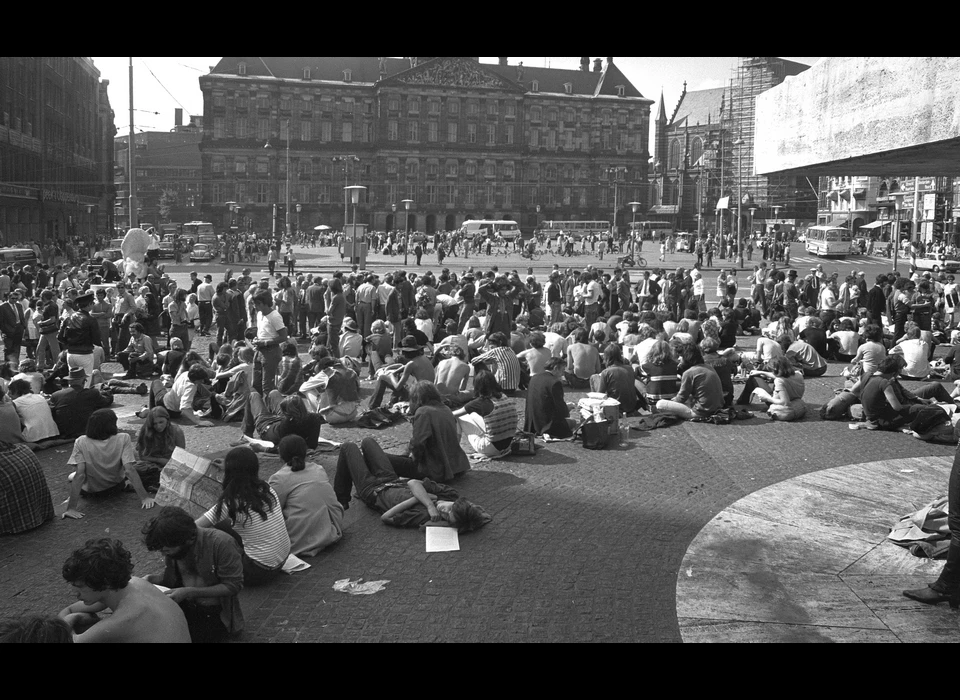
(132, 178)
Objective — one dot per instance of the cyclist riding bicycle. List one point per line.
(530, 249)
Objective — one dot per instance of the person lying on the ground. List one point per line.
(401, 502)
(203, 570)
(104, 461)
(101, 574)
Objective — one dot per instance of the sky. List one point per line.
(163, 84)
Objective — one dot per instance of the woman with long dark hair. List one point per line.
(311, 512)
(249, 508)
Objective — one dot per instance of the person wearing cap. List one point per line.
(417, 368)
(72, 406)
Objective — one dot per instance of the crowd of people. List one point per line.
(454, 351)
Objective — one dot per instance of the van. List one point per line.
(24, 256)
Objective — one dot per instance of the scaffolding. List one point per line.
(794, 200)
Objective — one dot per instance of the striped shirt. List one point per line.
(264, 541)
(662, 380)
(507, 370)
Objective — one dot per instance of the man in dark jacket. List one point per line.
(876, 300)
(79, 333)
(546, 411)
(12, 326)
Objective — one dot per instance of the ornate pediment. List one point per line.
(452, 72)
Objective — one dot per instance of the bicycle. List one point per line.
(534, 256)
(633, 261)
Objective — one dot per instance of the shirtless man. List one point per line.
(452, 373)
(100, 573)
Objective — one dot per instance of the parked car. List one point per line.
(112, 254)
(201, 253)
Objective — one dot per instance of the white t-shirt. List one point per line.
(38, 423)
(269, 326)
(181, 395)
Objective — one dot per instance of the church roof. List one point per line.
(699, 107)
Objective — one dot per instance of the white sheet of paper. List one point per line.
(442, 539)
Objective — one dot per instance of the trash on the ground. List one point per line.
(345, 585)
(689, 572)
(907, 471)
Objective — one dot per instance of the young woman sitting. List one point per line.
(249, 509)
(785, 397)
(489, 422)
(159, 437)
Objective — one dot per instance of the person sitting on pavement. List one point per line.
(723, 363)
(888, 405)
(785, 397)
(171, 360)
(401, 502)
(660, 373)
(277, 416)
(35, 415)
(379, 347)
(28, 372)
(843, 343)
(506, 365)
(289, 374)
(334, 391)
(249, 508)
(489, 421)
(417, 369)
(915, 352)
(535, 357)
(101, 574)
(159, 437)
(313, 516)
(546, 412)
(25, 501)
(185, 399)
(700, 394)
(138, 358)
(72, 406)
(617, 380)
(351, 346)
(105, 463)
(203, 570)
(452, 373)
(804, 356)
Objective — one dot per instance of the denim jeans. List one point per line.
(366, 466)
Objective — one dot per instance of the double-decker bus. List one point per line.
(829, 241)
(577, 229)
(650, 229)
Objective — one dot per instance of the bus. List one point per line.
(507, 229)
(202, 232)
(829, 241)
(649, 230)
(577, 229)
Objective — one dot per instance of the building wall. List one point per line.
(457, 152)
(56, 150)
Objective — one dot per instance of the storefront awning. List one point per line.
(838, 223)
(723, 203)
(875, 224)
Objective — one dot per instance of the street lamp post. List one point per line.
(615, 171)
(345, 160)
(897, 203)
(739, 144)
(299, 209)
(406, 229)
(354, 191)
(633, 224)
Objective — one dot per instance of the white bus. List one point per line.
(577, 229)
(651, 229)
(202, 232)
(507, 229)
(829, 241)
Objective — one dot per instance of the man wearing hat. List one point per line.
(72, 406)
(418, 368)
(79, 333)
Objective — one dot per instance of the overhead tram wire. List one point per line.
(162, 85)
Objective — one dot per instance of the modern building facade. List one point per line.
(56, 149)
(168, 174)
(703, 159)
(459, 138)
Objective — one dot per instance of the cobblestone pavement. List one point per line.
(584, 546)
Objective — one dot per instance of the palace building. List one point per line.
(460, 138)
